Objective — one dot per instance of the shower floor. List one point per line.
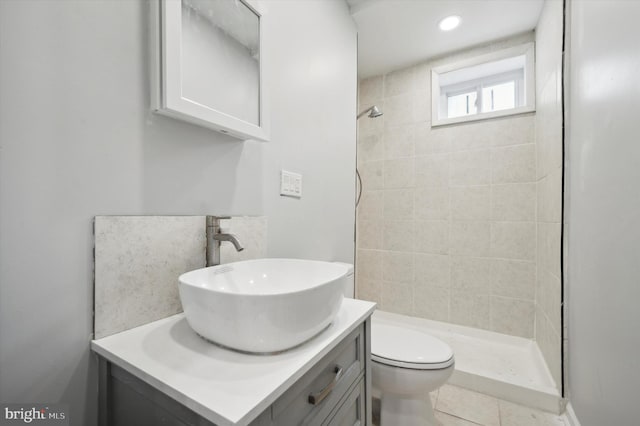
(506, 367)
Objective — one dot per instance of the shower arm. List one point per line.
(372, 110)
(363, 113)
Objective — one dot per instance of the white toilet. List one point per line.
(407, 365)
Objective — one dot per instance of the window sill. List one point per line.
(483, 116)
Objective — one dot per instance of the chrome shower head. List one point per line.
(373, 112)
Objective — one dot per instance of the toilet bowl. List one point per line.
(407, 365)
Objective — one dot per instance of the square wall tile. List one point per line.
(470, 238)
(469, 309)
(370, 148)
(431, 270)
(399, 142)
(421, 108)
(555, 249)
(399, 82)
(513, 278)
(369, 264)
(397, 267)
(513, 164)
(512, 316)
(513, 202)
(542, 252)
(549, 238)
(515, 130)
(471, 136)
(398, 235)
(398, 204)
(368, 289)
(542, 146)
(472, 274)
(431, 302)
(431, 203)
(397, 298)
(470, 168)
(369, 234)
(471, 203)
(137, 263)
(513, 240)
(554, 153)
(371, 205)
(431, 236)
(550, 197)
(431, 140)
(432, 170)
(399, 173)
(422, 82)
(372, 174)
(550, 345)
(549, 298)
(398, 110)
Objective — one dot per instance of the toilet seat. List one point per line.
(407, 348)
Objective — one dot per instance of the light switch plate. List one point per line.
(290, 184)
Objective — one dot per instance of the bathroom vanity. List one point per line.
(163, 373)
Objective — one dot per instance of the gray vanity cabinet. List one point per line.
(336, 391)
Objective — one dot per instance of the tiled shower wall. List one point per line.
(549, 182)
(446, 228)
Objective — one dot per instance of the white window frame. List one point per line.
(526, 88)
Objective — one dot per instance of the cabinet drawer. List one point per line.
(352, 410)
(312, 398)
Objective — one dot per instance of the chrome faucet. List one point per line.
(215, 238)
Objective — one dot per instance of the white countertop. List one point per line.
(223, 386)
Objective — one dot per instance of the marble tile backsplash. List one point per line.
(137, 263)
(446, 228)
(138, 260)
(251, 231)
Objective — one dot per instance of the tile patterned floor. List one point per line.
(456, 406)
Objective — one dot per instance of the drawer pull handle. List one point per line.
(317, 398)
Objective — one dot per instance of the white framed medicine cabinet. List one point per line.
(486, 86)
(207, 67)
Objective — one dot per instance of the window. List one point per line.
(492, 85)
(462, 104)
(499, 96)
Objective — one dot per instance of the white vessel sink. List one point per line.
(263, 305)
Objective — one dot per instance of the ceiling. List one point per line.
(393, 34)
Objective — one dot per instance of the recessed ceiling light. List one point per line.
(449, 23)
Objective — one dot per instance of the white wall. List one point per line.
(603, 212)
(77, 140)
(316, 99)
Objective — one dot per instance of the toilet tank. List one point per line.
(350, 286)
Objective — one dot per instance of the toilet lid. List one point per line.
(408, 348)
